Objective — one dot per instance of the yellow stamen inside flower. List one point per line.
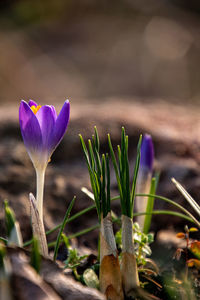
(35, 108)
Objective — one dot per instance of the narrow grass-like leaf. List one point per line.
(157, 177)
(96, 197)
(93, 179)
(120, 162)
(97, 139)
(84, 211)
(173, 203)
(187, 196)
(127, 181)
(149, 208)
(123, 162)
(122, 178)
(98, 161)
(96, 149)
(171, 213)
(115, 166)
(97, 184)
(108, 182)
(72, 218)
(85, 151)
(114, 220)
(137, 164)
(62, 227)
(84, 231)
(118, 220)
(103, 186)
(154, 212)
(35, 255)
(92, 160)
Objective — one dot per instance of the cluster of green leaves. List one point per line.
(74, 259)
(142, 242)
(90, 275)
(127, 192)
(99, 172)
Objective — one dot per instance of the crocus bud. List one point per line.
(144, 175)
(147, 154)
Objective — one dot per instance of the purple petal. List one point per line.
(32, 103)
(54, 112)
(46, 119)
(147, 153)
(60, 125)
(30, 129)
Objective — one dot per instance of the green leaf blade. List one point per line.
(62, 227)
(149, 208)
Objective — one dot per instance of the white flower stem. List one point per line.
(40, 174)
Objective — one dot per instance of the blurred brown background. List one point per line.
(84, 49)
(132, 62)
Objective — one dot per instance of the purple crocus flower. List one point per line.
(42, 130)
(147, 153)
